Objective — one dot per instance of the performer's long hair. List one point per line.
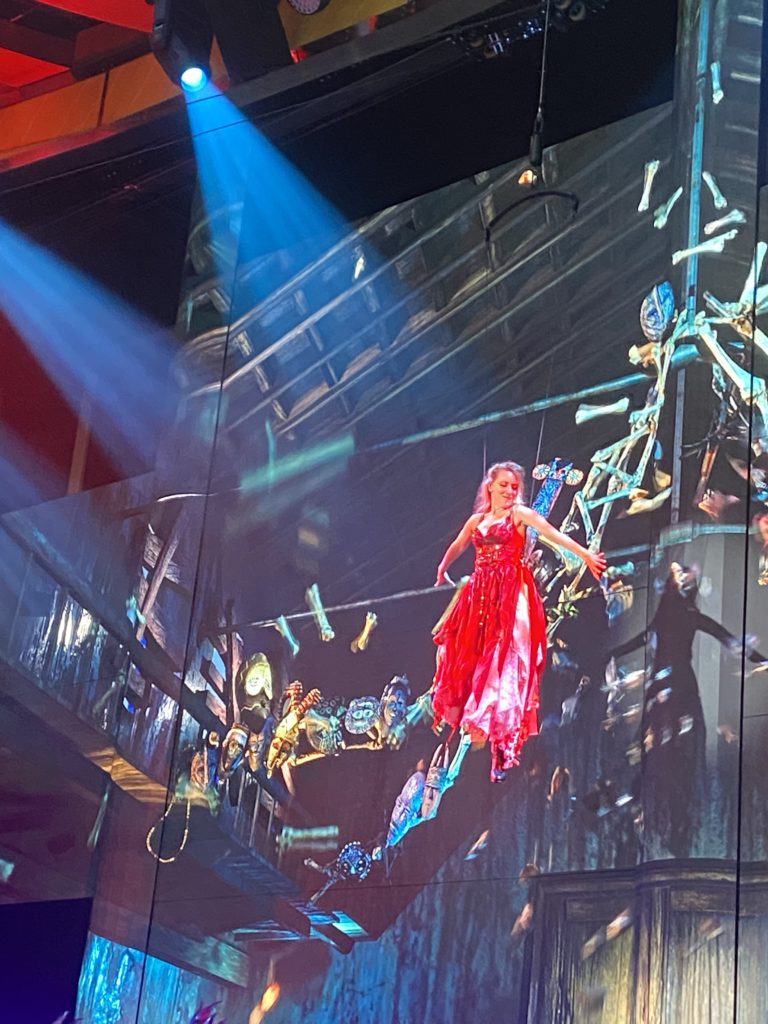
(483, 498)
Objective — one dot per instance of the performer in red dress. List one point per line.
(492, 647)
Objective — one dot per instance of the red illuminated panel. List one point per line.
(18, 69)
(136, 14)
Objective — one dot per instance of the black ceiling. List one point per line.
(398, 125)
(369, 135)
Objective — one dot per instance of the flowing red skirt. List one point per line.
(491, 656)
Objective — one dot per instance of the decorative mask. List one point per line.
(254, 681)
(322, 726)
(394, 701)
(362, 715)
(657, 311)
(353, 861)
(232, 750)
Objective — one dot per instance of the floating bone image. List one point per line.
(644, 355)
(716, 244)
(649, 173)
(269, 1000)
(661, 213)
(717, 90)
(586, 412)
(612, 930)
(751, 389)
(717, 196)
(315, 604)
(752, 302)
(362, 639)
(734, 217)
(285, 631)
(478, 846)
(318, 840)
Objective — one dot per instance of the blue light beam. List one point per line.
(93, 346)
(241, 173)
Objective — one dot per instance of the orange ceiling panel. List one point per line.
(136, 14)
(19, 69)
(52, 115)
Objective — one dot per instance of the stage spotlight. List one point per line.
(181, 40)
(193, 78)
(250, 36)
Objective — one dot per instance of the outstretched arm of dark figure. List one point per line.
(714, 629)
(633, 644)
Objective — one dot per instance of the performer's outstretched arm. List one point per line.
(719, 632)
(595, 560)
(633, 644)
(456, 548)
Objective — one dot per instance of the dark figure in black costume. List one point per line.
(674, 733)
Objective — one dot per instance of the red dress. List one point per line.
(492, 648)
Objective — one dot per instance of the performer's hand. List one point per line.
(596, 563)
(441, 577)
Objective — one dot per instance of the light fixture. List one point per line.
(534, 172)
(181, 40)
(532, 175)
(251, 38)
(193, 78)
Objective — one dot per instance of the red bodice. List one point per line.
(501, 545)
